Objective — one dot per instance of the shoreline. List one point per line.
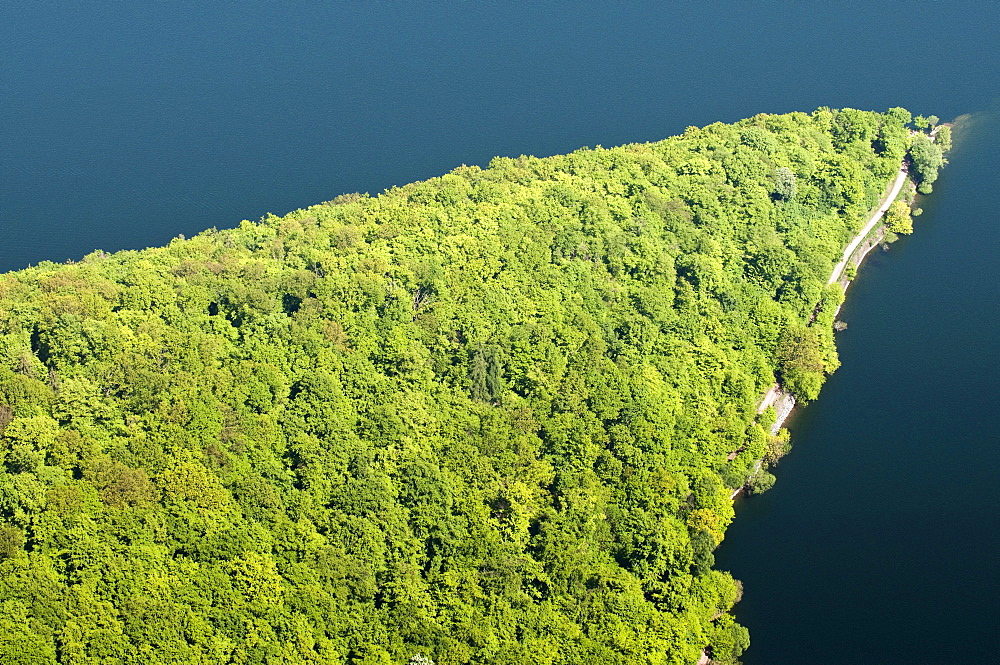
(897, 185)
(784, 402)
(870, 236)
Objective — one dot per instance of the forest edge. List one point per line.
(854, 255)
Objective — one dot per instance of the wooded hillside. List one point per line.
(487, 418)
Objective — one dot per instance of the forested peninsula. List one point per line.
(493, 417)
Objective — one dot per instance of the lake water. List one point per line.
(126, 124)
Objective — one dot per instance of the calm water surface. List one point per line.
(123, 125)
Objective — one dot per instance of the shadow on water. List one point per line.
(876, 542)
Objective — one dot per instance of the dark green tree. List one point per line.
(943, 138)
(925, 158)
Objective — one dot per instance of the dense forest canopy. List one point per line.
(493, 417)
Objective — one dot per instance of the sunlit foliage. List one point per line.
(493, 417)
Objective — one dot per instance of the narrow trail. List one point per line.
(897, 185)
(774, 394)
(784, 402)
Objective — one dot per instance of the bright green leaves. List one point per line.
(492, 417)
(926, 158)
(24, 639)
(898, 218)
(801, 362)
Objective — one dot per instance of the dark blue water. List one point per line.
(125, 124)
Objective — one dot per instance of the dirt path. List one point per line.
(783, 402)
(897, 185)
